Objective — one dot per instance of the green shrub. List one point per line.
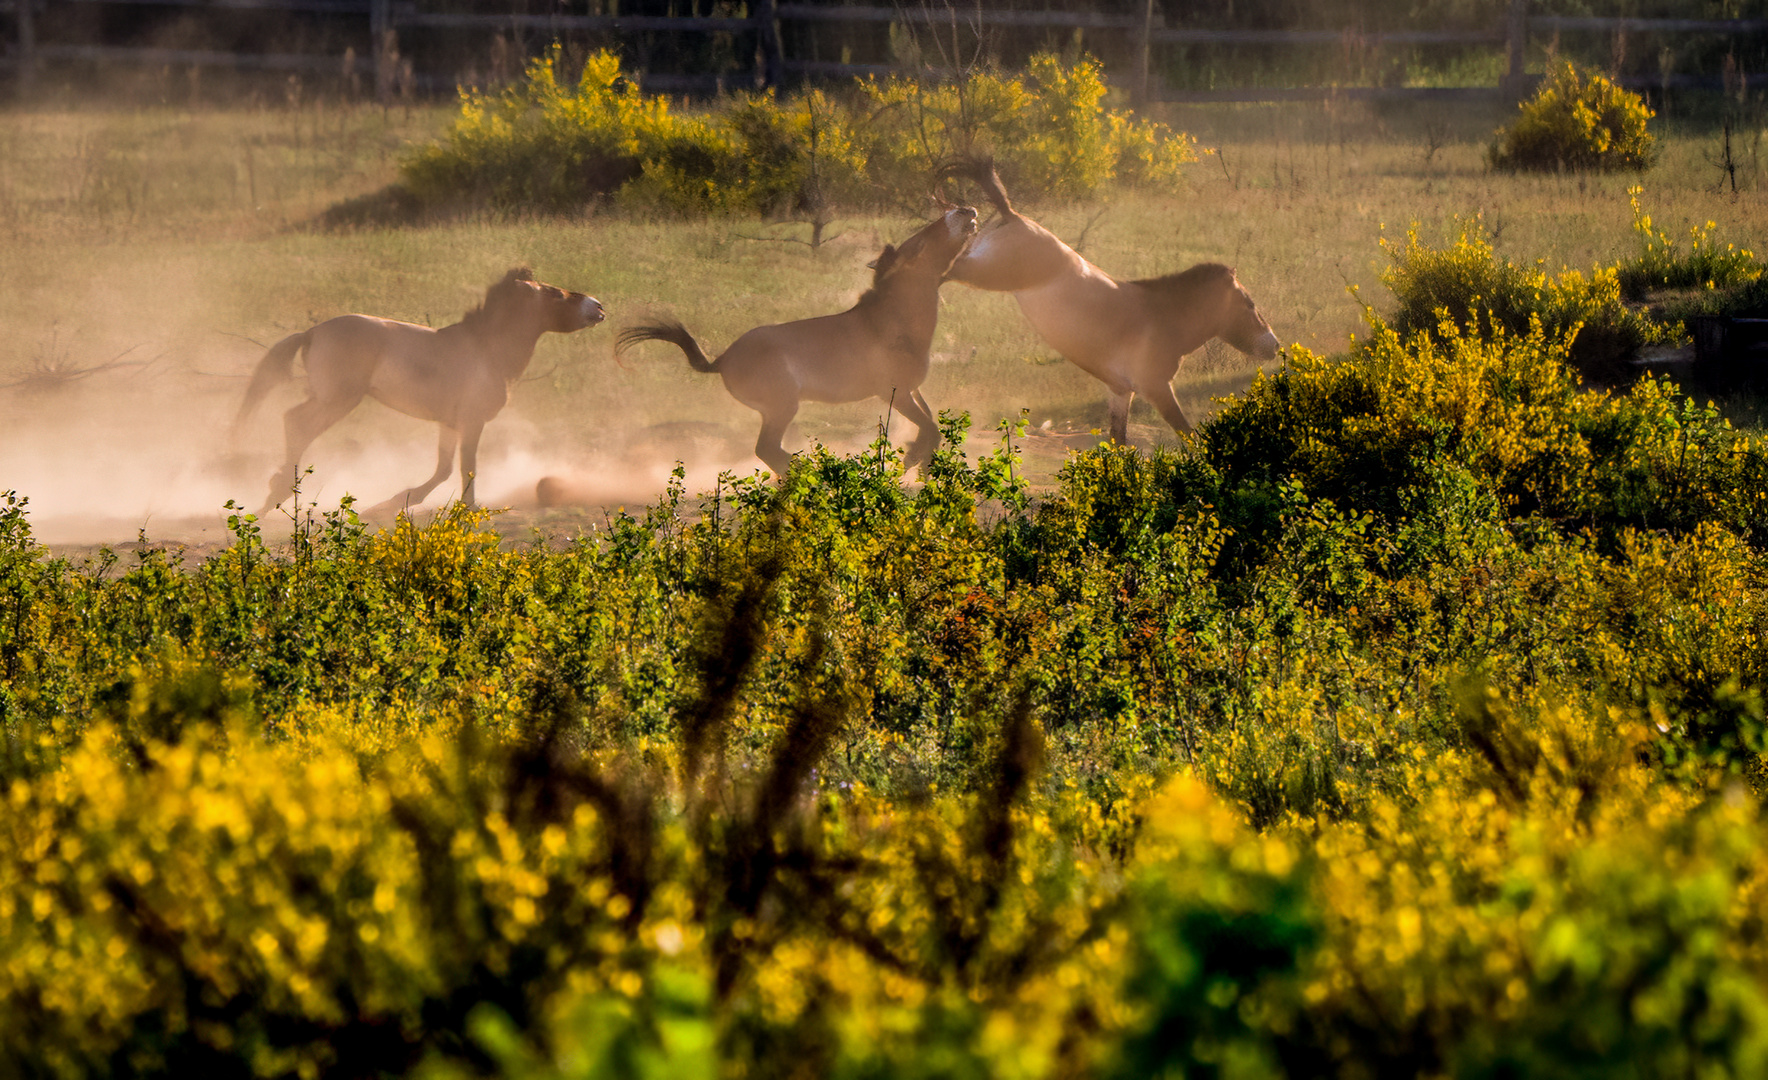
(1576, 120)
(1662, 264)
(1225, 927)
(1169, 770)
(1391, 418)
(1467, 286)
(1048, 131)
(541, 146)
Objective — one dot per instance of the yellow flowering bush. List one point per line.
(1663, 264)
(1048, 131)
(1576, 120)
(1468, 287)
(541, 145)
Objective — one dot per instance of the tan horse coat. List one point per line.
(878, 348)
(459, 376)
(1130, 335)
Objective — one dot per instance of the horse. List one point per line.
(878, 348)
(1130, 335)
(459, 376)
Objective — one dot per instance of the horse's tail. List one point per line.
(666, 330)
(278, 366)
(982, 170)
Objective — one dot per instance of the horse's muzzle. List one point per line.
(592, 311)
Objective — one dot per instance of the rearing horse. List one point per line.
(459, 376)
(1130, 335)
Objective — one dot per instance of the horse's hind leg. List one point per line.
(1161, 397)
(301, 425)
(914, 407)
(774, 421)
(446, 441)
(1120, 416)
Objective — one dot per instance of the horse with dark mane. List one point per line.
(459, 376)
(1130, 335)
(878, 348)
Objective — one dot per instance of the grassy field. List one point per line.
(176, 243)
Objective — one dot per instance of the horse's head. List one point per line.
(932, 249)
(520, 298)
(1245, 328)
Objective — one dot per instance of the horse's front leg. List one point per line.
(469, 461)
(1160, 395)
(446, 442)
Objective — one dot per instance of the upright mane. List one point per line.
(889, 263)
(494, 296)
(1188, 284)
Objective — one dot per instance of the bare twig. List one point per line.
(49, 373)
(1080, 244)
(1222, 157)
(242, 337)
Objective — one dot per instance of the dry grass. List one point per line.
(186, 236)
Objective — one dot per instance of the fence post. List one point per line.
(27, 46)
(773, 59)
(1147, 44)
(1515, 83)
(383, 47)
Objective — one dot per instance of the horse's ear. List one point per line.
(884, 259)
(519, 273)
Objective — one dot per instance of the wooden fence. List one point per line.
(382, 22)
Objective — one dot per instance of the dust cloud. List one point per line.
(124, 455)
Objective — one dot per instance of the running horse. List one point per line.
(881, 347)
(459, 376)
(1130, 335)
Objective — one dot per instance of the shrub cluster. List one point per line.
(1576, 120)
(541, 145)
(1607, 315)
(1467, 287)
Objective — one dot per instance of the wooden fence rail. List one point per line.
(25, 53)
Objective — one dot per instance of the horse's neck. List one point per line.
(508, 347)
(911, 297)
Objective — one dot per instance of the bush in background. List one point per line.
(1048, 131)
(1576, 120)
(542, 146)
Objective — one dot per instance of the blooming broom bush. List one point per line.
(1576, 120)
(541, 145)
